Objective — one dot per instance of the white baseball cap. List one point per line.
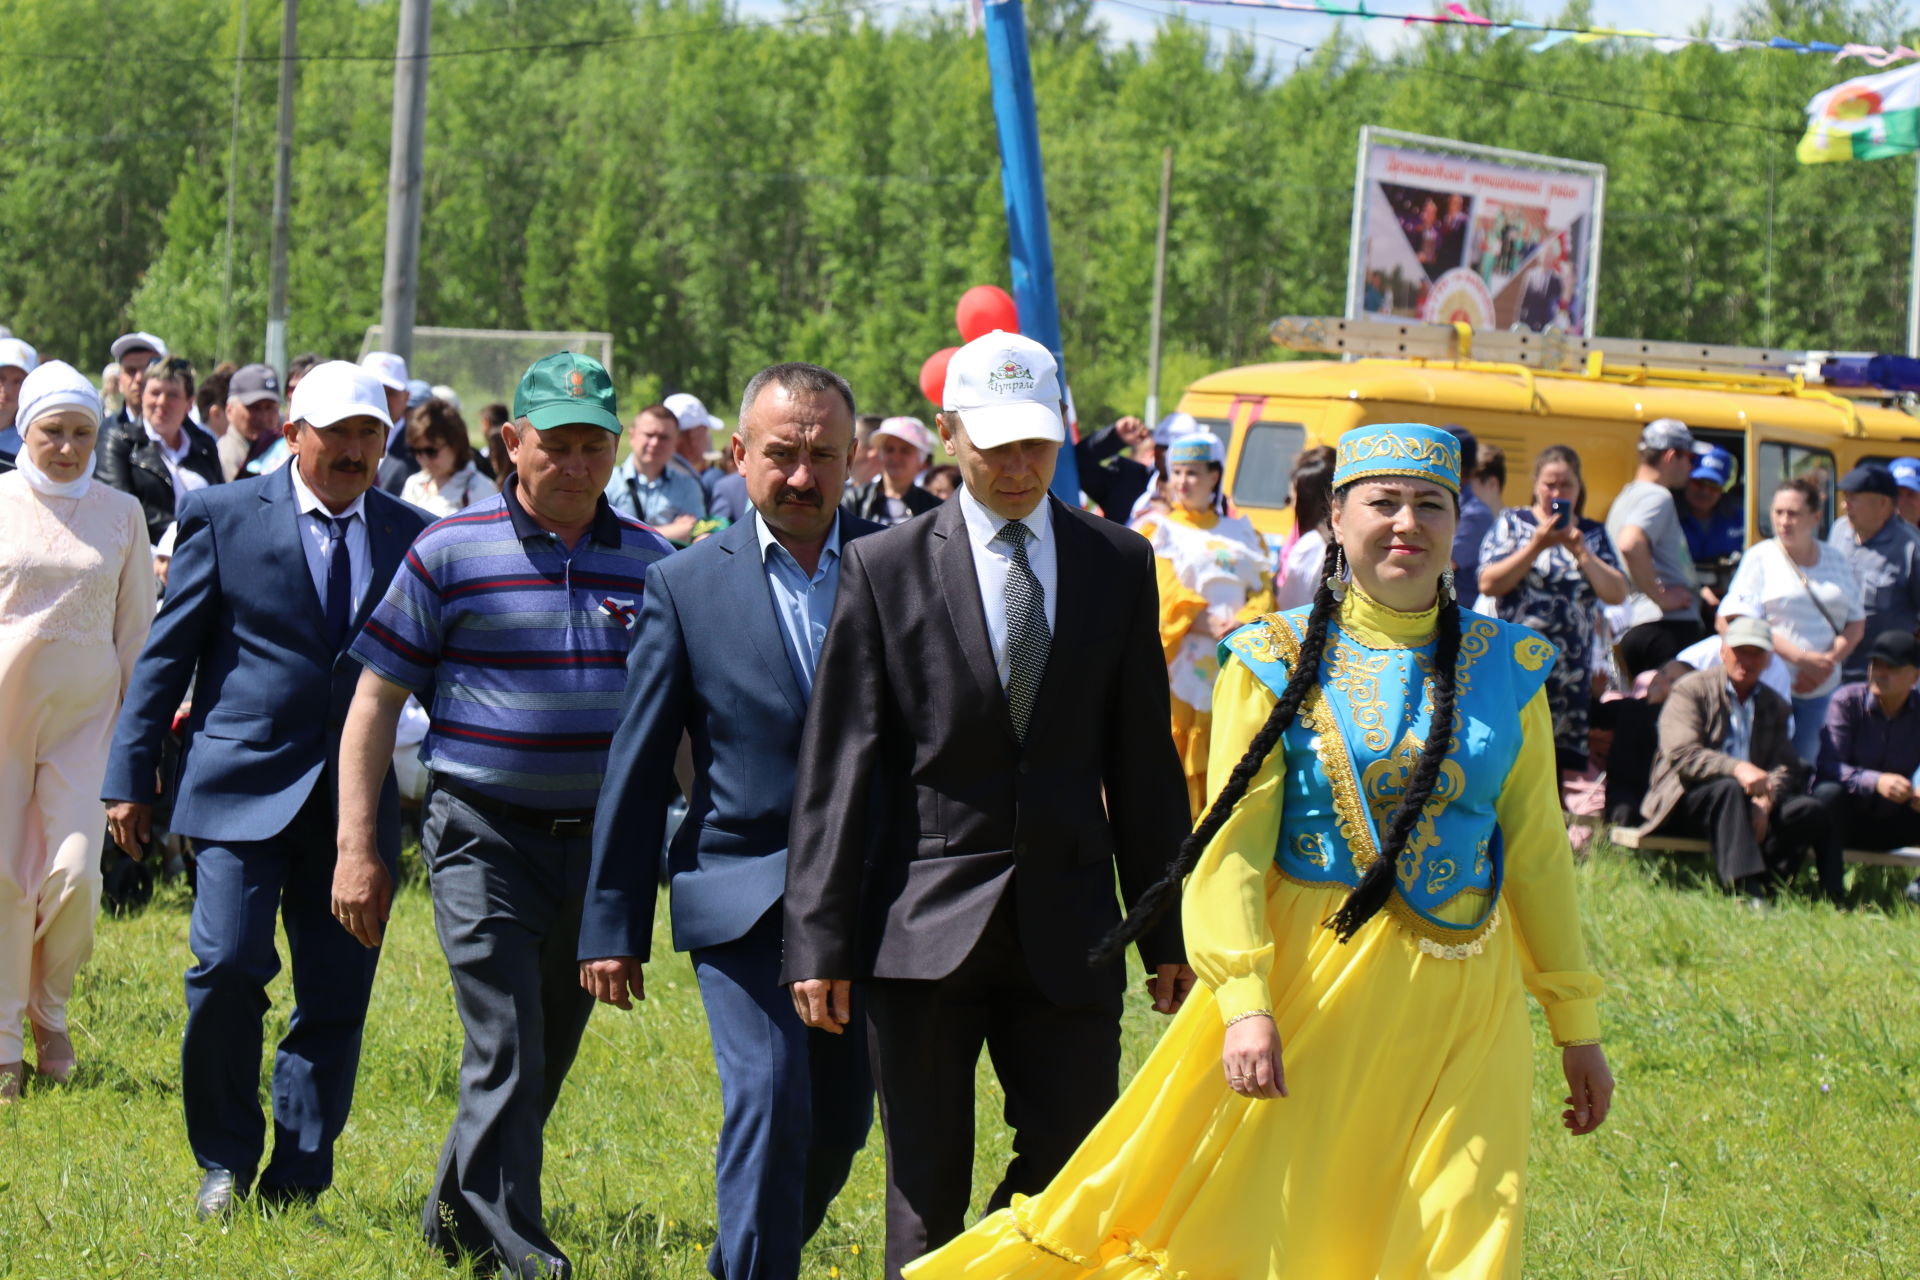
(1005, 387)
(138, 342)
(911, 430)
(688, 411)
(338, 390)
(15, 354)
(445, 394)
(388, 368)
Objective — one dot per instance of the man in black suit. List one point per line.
(998, 662)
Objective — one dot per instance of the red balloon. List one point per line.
(933, 375)
(984, 308)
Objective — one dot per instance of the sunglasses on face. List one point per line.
(428, 450)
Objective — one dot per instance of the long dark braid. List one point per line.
(1376, 884)
(1154, 903)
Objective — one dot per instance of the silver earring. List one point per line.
(1337, 584)
(1447, 594)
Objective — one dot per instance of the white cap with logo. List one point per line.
(389, 368)
(337, 390)
(1005, 387)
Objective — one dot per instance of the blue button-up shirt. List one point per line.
(802, 605)
(1739, 740)
(656, 502)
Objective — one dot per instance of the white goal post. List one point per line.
(484, 365)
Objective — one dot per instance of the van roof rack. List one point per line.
(1863, 374)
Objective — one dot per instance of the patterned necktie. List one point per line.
(1027, 634)
(339, 584)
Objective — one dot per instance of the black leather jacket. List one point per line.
(133, 464)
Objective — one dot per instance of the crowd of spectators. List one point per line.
(1755, 695)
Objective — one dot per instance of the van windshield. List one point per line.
(1266, 460)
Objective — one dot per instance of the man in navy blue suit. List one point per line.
(271, 579)
(729, 631)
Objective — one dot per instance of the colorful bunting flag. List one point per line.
(1869, 118)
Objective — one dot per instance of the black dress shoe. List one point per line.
(219, 1190)
(276, 1196)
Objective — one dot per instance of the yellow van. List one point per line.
(1777, 426)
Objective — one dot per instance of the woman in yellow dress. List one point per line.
(1381, 875)
(1216, 573)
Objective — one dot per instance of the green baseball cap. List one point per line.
(567, 389)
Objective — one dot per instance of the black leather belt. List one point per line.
(557, 822)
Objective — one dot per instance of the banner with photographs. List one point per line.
(1447, 231)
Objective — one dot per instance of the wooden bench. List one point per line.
(1633, 838)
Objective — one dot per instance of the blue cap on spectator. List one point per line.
(1714, 465)
(1906, 472)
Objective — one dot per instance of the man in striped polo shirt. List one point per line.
(515, 618)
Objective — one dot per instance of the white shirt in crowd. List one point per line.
(1300, 571)
(992, 560)
(316, 539)
(1768, 585)
(462, 489)
(184, 481)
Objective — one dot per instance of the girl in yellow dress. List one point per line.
(1215, 574)
(1380, 876)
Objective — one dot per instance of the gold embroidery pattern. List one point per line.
(1311, 847)
(1387, 453)
(1532, 652)
(1385, 781)
(1476, 637)
(1356, 673)
(1278, 640)
(1473, 946)
(1261, 643)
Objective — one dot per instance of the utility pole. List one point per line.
(1159, 290)
(282, 193)
(233, 173)
(399, 290)
(1913, 271)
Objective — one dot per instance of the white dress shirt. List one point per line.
(184, 481)
(316, 539)
(992, 560)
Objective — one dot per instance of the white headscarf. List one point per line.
(50, 388)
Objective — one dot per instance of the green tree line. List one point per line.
(719, 192)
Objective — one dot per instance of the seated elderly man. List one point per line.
(1727, 772)
(1870, 748)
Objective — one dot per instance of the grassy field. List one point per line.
(1768, 1121)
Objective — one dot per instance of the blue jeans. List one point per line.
(1808, 715)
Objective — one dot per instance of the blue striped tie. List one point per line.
(1027, 634)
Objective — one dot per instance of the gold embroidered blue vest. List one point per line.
(1355, 741)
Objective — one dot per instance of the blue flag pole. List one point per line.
(1025, 190)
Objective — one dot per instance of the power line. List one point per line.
(1406, 68)
(552, 46)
